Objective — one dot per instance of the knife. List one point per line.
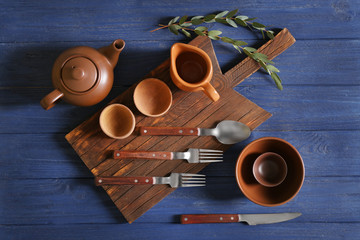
(251, 219)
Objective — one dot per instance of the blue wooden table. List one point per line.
(46, 192)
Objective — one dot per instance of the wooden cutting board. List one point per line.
(188, 110)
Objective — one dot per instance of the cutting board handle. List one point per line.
(248, 66)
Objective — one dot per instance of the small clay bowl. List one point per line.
(270, 169)
(270, 196)
(152, 97)
(117, 121)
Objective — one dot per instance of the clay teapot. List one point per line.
(83, 76)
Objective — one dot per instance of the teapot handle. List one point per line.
(50, 100)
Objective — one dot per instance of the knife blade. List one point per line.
(251, 219)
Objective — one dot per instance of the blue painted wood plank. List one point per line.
(288, 230)
(26, 156)
(295, 108)
(307, 62)
(76, 21)
(78, 201)
(47, 193)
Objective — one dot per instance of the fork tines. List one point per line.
(192, 180)
(209, 155)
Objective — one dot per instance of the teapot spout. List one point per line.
(112, 51)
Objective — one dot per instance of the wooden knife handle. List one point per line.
(142, 155)
(209, 218)
(169, 131)
(123, 180)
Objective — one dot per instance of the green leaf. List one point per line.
(258, 25)
(177, 27)
(186, 24)
(262, 64)
(247, 52)
(262, 33)
(200, 33)
(272, 68)
(196, 21)
(173, 20)
(237, 48)
(220, 15)
(277, 80)
(250, 19)
(214, 33)
(183, 19)
(227, 40)
(201, 29)
(221, 20)
(268, 61)
(241, 17)
(231, 22)
(209, 18)
(250, 49)
(240, 43)
(240, 22)
(232, 13)
(260, 56)
(214, 37)
(270, 34)
(186, 33)
(173, 29)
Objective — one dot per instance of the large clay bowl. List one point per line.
(270, 196)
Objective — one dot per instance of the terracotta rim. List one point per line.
(237, 169)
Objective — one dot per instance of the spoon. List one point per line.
(226, 132)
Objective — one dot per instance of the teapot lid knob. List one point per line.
(79, 74)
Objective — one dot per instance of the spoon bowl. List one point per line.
(228, 132)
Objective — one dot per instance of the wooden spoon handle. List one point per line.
(209, 218)
(142, 155)
(123, 180)
(169, 131)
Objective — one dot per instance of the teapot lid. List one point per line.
(79, 74)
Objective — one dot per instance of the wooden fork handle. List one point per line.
(142, 155)
(169, 131)
(123, 180)
(209, 218)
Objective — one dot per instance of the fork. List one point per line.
(174, 180)
(193, 155)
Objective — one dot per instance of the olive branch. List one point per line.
(183, 25)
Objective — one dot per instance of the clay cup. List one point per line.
(117, 121)
(152, 97)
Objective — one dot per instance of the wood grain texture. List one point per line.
(91, 145)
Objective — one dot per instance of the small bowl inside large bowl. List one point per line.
(152, 97)
(270, 196)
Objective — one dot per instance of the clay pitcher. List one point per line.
(83, 76)
(191, 70)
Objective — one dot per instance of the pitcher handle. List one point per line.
(211, 92)
(50, 100)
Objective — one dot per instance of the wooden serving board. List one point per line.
(188, 110)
